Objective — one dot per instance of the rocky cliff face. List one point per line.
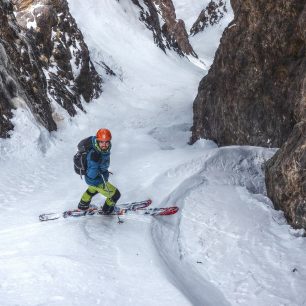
(286, 177)
(211, 15)
(254, 94)
(63, 54)
(21, 76)
(247, 96)
(168, 31)
(44, 62)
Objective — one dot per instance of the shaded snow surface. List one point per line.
(226, 246)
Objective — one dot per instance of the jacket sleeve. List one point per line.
(93, 165)
(104, 167)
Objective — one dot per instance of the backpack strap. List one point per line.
(85, 145)
(95, 156)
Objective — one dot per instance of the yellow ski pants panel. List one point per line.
(107, 190)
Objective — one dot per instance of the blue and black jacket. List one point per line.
(97, 164)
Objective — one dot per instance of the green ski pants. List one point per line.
(111, 193)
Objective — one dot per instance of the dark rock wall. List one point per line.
(246, 96)
(173, 29)
(21, 76)
(286, 177)
(149, 15)
(171, 32)
(44, 61)
(63, 54)
(254, 94)
(7, 91)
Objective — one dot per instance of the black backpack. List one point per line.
(79, 159)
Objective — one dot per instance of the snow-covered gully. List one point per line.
(226, 246)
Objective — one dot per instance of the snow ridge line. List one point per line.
(166, 236)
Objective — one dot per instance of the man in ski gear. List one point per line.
(98, 159)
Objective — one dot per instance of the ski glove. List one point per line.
(105, 175)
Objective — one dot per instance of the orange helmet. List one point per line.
(104, 135)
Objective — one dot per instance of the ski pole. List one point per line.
(105, 184)
(119, 220)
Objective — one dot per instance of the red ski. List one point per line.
(161, 211)
(139, 208)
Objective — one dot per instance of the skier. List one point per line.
(98, 159)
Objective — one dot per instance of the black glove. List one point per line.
(105, 175)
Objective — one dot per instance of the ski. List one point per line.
(119, 209)
(158, 211)
(139, 208)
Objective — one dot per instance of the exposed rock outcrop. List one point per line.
(254, 94)
(211, 15)
(7, 91)
(21, 76)
(43, 59)
(173, 29)
(246, 98)
(170, 33)
(62, 51)
(286, 177)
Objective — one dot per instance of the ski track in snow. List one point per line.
(225, 246)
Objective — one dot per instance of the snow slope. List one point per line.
(226, 246)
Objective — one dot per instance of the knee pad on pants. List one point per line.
(116, 196)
